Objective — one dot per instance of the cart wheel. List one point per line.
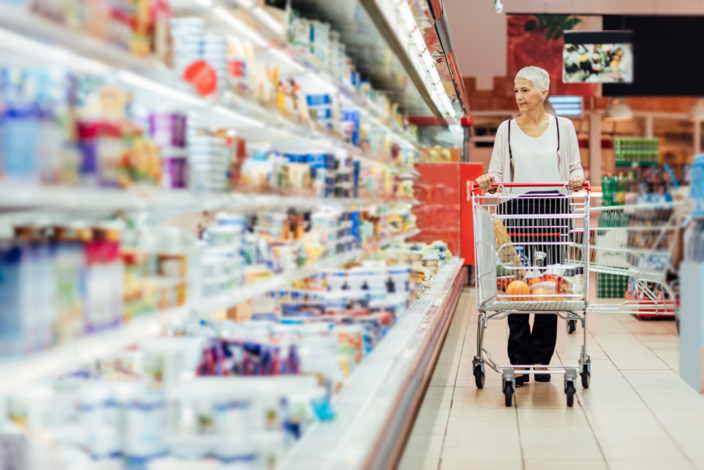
(571, 326)
(570, 391)
(508, 393)
(586, 371)
(585, 377)
(479, 376)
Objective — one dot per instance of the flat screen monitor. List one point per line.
(598, 57)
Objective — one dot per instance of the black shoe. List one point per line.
(522, 380)
(541, 377)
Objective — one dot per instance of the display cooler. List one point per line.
(220, 241)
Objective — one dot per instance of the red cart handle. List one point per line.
(586, 185)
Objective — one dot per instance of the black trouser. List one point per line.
(536, 346)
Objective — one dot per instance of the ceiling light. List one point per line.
(618, 110)
(498, 6)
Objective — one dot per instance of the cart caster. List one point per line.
(508, 393)
(479, 376)
(570, 391)
(571, 326)
(586, 373)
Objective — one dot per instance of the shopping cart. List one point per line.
(632, 245)
(531, 257)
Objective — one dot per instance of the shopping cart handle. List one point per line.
(539, 185)
(474, 186)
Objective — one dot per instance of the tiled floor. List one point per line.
(638, 414)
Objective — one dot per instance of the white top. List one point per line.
(534, 158)
(537, 159)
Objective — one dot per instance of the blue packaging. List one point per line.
(318, 100)
(11, 315)
(696, 191)
(330, 162)
(355, 178)
(317, 160)
(356, 219)
(19, 124)
(350, 123)
(323, 114)
(18, 143)
(297, 158)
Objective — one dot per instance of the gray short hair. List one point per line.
(535, 75)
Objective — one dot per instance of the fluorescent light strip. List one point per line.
(286, 58)
(322, 83)
(407, 15)
(56, 54)
(240, 117)
(267, 19)
(131, 78)
(565, 99)
(245, 3)
(568, 112)
(240, 27)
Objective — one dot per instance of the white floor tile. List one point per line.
(650, 464)
(637, 414)
(575, 462)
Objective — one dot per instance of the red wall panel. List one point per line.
(438, 214)
(468, 172)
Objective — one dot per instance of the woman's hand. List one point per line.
(576, 183)
(484, 182)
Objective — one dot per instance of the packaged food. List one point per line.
(507, 252)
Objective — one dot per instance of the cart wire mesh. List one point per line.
(631, 248)
(537, 239)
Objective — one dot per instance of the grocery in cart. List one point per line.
(531, 257)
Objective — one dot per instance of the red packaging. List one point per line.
(202, 76)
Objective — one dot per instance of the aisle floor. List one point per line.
(637, 414)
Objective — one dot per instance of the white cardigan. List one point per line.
(569, 163)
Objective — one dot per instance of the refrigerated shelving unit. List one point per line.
(375, 407)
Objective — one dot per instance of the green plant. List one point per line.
(553, 25)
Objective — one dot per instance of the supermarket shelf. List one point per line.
(382, 242)
(59, 44)
(62, 359)
(351, 94)
(374, 408)
(109, 200)
(249, 291)
(641, 163)
(246, 292)
(65, 358)
(265, 24)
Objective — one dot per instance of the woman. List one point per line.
(535, 147)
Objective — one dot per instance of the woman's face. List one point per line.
(528, 97)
